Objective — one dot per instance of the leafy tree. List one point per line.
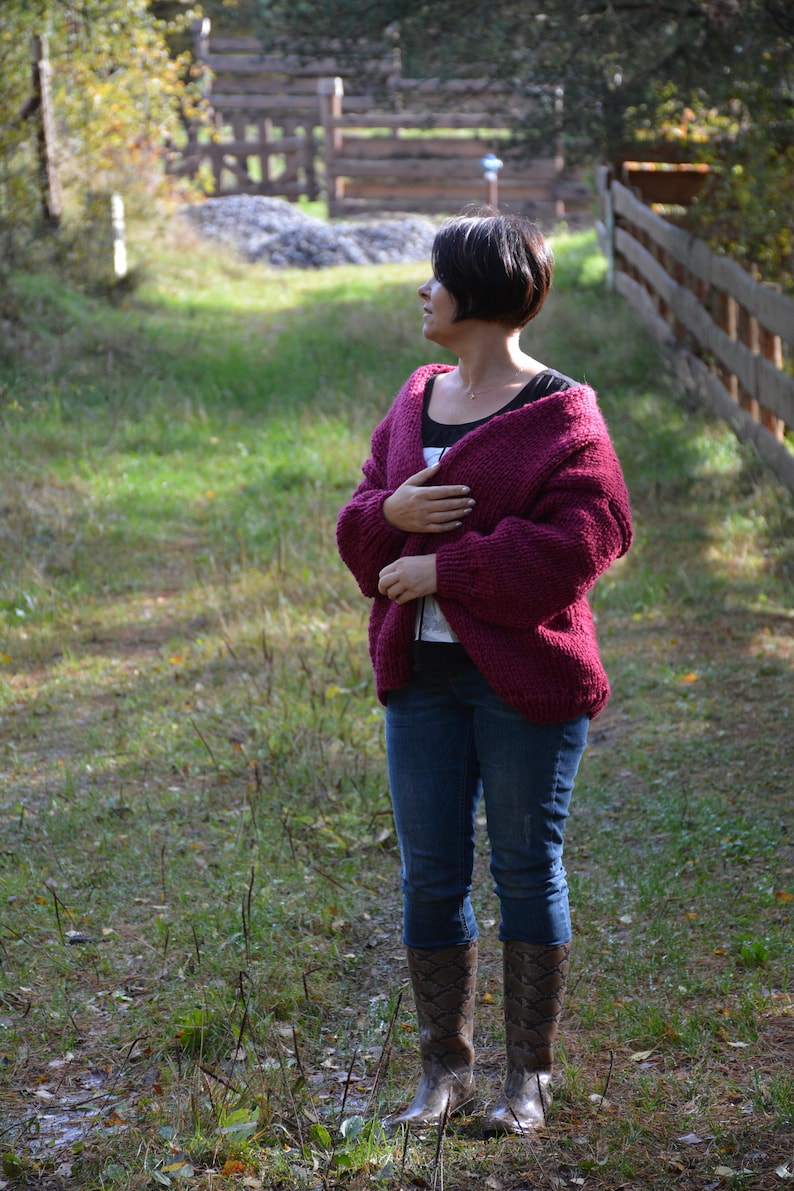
(714, 76)
(620, 61)
(117, 94)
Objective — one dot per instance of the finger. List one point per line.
(457, 504)
(448, 492)
(389, 585)
(421, 477)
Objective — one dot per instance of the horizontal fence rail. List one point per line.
(731, 337)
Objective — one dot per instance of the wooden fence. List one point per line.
(427, 156)
(730, 337)
(265, 116)
(289, 127)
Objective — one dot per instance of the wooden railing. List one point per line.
(427, 156)
(729, 336)
(265, 116)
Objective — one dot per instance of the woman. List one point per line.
(491, 503)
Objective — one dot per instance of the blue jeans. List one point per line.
(449, 740)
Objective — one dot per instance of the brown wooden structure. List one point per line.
(428, 154)
(265, 118)
(372, 141)
(730, 337)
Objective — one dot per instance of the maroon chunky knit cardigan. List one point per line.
(551, 515)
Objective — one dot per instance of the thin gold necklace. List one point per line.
(492, 388)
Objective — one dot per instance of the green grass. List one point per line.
(198, 871)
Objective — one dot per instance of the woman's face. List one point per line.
(438, 313)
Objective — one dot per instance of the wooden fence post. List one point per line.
(50, 180)
(331, 91)
(750, 336)
(729, 322)
(771, 347)
(606, 230)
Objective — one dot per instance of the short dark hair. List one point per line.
(497, 267)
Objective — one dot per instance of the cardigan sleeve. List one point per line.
(531, 568)
(366, 540)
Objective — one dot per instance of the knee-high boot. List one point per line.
(443, 984)
(534, 987)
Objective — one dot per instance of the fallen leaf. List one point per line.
(233, 1166)
(780, 896)
(640, 1056)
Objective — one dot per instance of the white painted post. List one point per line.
(119, 241)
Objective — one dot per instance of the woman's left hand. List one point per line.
(408, 578)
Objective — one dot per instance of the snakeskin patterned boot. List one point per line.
(443, 983)
(534, 988)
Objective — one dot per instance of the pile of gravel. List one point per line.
(280, 233)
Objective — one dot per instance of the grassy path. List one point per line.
(201, 967)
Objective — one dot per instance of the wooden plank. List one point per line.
(775, 311)
(436, 147)
(463, 168)
(698, 380)
(441, 188)
(638, 296)
(265, 103)
(693, 316)
(445, 153)
(229, 44)
(275, 189)
(254, 62)
(646, 264)
(243, 148)
(760, 378)
(260, 84)
(443, 205)
(276, 104)
(775, 391)
(417, 119)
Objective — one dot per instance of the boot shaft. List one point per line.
(535, 979)
(444, 984)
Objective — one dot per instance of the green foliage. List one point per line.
(747, 211)
(711, 78)
(116, 95)
(613, 60)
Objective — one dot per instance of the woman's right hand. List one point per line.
(415, 508)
